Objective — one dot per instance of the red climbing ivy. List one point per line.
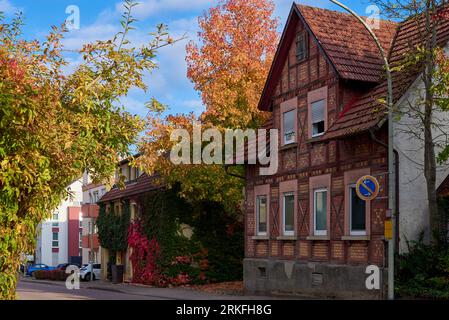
(144, 256)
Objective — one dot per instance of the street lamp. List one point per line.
(391, 176)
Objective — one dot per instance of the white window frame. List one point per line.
(258, 232)
(293, 133)
(324, 116)
(288, 232)
(53, 241)
(354, 232)
(315, 231)
(96, 196)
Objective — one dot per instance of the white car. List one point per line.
(86, 271)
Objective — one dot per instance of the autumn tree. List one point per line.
(54, 126)
(230, 63)
(426, 108)
(198, 182)
(228, 66)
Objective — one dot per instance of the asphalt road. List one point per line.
(43, 291)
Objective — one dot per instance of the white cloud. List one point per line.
(75, 39)
(147, 8)
(7, 7)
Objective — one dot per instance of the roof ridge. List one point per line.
(341, 12)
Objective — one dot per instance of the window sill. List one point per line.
(318, 238)
(315, 139)
(355, 238)
(287, 238)
(260, 238)
(288, 146)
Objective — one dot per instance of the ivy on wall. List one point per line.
(211, 252)
(113, 228)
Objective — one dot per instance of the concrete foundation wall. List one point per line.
(282, 277)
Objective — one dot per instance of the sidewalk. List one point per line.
(161, 293)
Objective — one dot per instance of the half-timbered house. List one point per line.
(307, 231)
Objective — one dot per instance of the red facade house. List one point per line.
(306, 229)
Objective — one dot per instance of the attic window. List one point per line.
(301, 46)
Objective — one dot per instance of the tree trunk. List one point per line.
(430, 175)
(430, 163)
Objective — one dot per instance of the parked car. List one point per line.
(85, 272)
(38, 267)
(63, 266)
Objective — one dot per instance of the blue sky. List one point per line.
(99, 19)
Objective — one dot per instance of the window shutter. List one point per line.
(318, 111)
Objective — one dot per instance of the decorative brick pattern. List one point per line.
(358, 252)
(338, 184)
(303, 73)
(377, 220)
(338, 250)
(318, 154)
(274, 194)
(274, 250)
(289, 160)
(250, 249)
(378, 252)
(332, 149)
(284, 79)
(303, 161)
(322, 66)
(261, 248)
(320, 250)
(303, 188)
(288, 249)
(304, 249)
(292, 78)
(313, 69)
(362, 150)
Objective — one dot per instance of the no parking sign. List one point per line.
(367, 188)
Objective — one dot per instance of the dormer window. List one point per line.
(301, 46)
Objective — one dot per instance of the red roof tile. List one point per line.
(142, 185)
(348, 44)
(367, 111)
(349, 47)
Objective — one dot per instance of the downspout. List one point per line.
(396, 169)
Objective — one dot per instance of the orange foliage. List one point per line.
(229, 67)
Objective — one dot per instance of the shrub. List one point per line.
(55, 275)
(39, 275)
(423, 272)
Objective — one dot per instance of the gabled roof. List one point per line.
(346, 44)
(367, 112)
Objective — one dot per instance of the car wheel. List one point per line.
(87, 277)
(93, 277)
(32, 274)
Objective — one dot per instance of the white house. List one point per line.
(59, 238)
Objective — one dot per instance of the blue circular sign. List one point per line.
(367, 188)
